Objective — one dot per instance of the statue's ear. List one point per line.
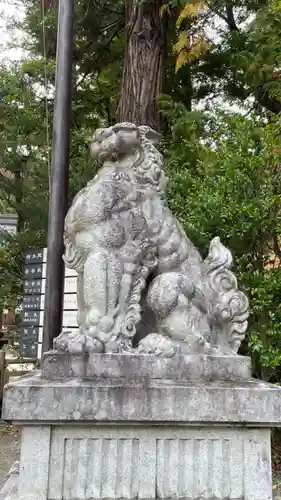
(151, 134)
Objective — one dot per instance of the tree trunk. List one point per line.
(144, 63)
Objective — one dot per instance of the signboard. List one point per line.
(31, 332)
(8, 223)
(38, 286)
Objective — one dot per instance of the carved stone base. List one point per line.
(141, 437)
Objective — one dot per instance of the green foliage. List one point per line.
(231, 49)
(23, 176)
(226, 180)
(98, 50)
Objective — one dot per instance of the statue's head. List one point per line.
(121, 139)
(116, 141)
(126, 144)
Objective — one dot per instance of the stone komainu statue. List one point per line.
(142, 286)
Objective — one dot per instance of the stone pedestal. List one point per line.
(140, 427)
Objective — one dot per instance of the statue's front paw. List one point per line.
(158, 345)
(77, 343)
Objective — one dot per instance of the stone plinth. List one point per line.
(122, 432)
(62, 366)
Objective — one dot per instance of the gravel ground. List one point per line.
(277, 486)
(10, 451)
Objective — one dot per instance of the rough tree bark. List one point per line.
(143, 76)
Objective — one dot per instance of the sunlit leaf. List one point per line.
(182, 43)
(182, 59)
(190, 10)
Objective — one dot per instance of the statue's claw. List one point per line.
(77, 343)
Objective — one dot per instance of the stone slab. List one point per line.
(102, 400)
(61, 366)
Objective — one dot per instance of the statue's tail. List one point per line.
(228, 306)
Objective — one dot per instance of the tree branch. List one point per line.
(268, 102)
(230, 17)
